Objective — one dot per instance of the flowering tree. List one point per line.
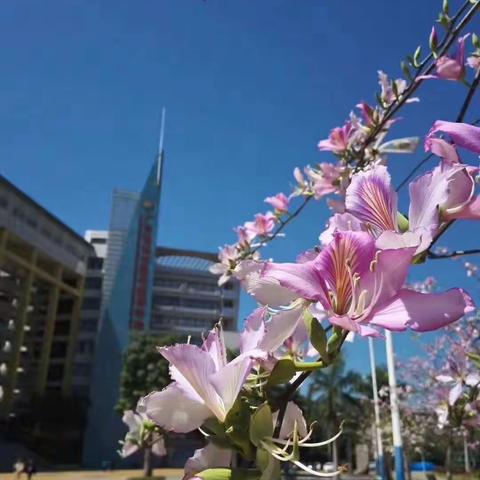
(446, 382)
(352, 282)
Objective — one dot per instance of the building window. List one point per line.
(168, 282)
(203, 304)
(88, 325)
(98, 241)
(81, 370)
(173, 301)
(95, 263)
(203, 287)
(228, 303)
(91, 303)
(65, 306)
(55, 372)
(62, 328)
(93, 283)
(59, 350)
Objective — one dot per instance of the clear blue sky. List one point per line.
(249, 86)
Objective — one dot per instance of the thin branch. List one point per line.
(279, 229)
(469, 97)
(415, 83)
(454, 254)
(414, 171)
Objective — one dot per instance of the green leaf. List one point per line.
(229, 474)
(237, 432)
(261, 424)
(406, 70)
(445, 7)
(282, 372)
(475, 40)
(474, 357)
(318, 336)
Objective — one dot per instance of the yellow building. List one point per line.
(42, 272)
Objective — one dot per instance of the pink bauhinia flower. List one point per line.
(245, 235)
(474, 62)
(371, 206)
(359, 288)
(452, 67)
(388, 95)
(326, 178)
(445, 193)
(339, 140)
(205, 385)
(138, 436)
(227, 256)
(279, 202)
(263, 224)
(270, 334)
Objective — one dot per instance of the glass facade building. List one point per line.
(128, 274)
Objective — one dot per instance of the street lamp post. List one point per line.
(378, 431)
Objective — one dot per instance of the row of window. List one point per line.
(31, 221)
(172, 322)
(199, 286)
(191, 303)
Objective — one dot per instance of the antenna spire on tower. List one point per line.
(160, 147)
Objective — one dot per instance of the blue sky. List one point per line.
(249, 87)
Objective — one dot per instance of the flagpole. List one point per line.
(396, 426)
(376, 406)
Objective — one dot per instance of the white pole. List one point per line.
(396, 426)
(376, 406)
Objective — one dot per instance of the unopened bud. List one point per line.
(433, 40)
(476, 41)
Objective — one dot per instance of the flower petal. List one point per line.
(192, 370)
(158, 448)
(175, 411)
(266, 290)
(215, 346)
(302, 279)
(463, 134)
(427, 194)
(254, 330)
(371, 198)
(292, 414)
(341, 222)
(229, 381)
(423, 312)
(281, 326)
(207, 457)
(455, 393)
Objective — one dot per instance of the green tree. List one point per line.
(144, 369)
(333, 397)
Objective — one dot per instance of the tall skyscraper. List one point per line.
(126, 303)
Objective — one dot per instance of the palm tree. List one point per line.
(333, 397)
